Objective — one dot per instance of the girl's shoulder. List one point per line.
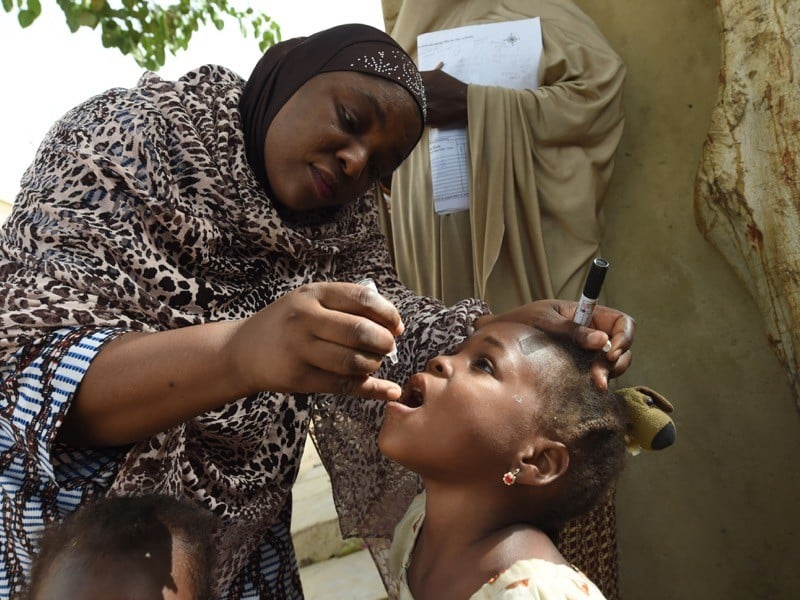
(521, 542)
(538, 579)
(527, 564)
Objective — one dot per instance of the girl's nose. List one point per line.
(441, 366)
(354, 159)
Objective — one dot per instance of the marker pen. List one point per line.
(591, 292)
(371, 284)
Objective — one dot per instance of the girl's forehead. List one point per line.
(530, 343)
(515, 337)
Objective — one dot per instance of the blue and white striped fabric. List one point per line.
(282, 580)
(41, 481)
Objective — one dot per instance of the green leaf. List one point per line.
(87, 19)
(146, 29)
(8, 5)
(25, 18)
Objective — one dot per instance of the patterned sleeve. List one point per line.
(43, 480)
(39, 384)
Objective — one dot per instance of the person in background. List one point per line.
(540, 160)
(178, 302)
(131, 548)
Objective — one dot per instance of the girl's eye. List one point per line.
(484, 364)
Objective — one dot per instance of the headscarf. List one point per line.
(286, 66)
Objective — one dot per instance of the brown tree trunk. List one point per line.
(747, 192)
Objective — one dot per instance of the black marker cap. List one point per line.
(594, 281)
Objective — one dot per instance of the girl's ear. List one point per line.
(543, 463)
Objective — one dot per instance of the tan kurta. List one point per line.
(540, 164)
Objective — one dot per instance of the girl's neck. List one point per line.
(468, 537)
(463, 516)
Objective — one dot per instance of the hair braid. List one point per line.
(590, 423)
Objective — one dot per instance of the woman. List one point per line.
(174, 253)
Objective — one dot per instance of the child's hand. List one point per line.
(608, 325)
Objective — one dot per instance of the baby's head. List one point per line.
(511, 400)
(133, 548)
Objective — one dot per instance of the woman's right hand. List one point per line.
(321, 337)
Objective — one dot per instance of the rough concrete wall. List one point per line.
(717, 515)
(747, 193)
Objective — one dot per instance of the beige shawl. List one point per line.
(540, 161)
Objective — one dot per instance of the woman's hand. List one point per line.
(321, 337)
(608, 324)
(446, 98)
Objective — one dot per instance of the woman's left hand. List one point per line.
(608, 324)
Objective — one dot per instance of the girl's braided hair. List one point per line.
(591, 424)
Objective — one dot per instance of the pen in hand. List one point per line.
(591, 292)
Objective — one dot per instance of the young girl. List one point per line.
(511, 439)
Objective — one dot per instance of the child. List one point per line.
(511, 440)
(132, 548)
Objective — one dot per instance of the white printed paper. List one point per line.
(503, 54)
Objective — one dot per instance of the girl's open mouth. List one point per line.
(411, 397)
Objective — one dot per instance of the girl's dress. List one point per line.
(531, 579)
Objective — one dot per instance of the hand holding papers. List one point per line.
(498, 54)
